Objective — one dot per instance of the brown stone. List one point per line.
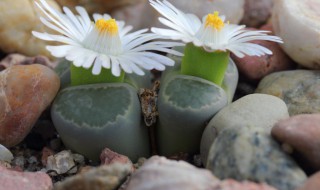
(109, 157)
(256, 12)
(13, 180)
(300, 135)
(25, 92)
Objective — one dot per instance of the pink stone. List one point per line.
(13, 180)
(254, 68)
(25, 92)
(231, 184)
(300, 135)
(45, 153)
(313, 183)
(108, 157)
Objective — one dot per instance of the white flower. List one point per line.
(213, 34)
(105, 43)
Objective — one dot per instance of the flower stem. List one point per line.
(82, 76)
(207, 65)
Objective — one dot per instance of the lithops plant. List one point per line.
(297, 23)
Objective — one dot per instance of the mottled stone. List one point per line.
(254, 68)
(17, 20)
(301, 133)
(5, 154)
(249, 153)
(109, 157)
(25, 92)
(159, 173)
(107, 177)
(45, 153)
(258, 110)
(297, 23)
(61, 163)
(19, 59)
(299, 89)
(14, 180)
(231, 184)
(256, 12)
(313, 183)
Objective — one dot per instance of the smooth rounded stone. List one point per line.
(313, 183)
(248, 152)
(301, 133)
(300, 89)
(159, 173)
(25, 92)
(90, 118)
(61, 163)
(290, 19)
(17, 20)
(230, 184)
(19, 59)
(254, 68)
(14, 180)
(107, 177)
(233, 10)
(256, 12)
(259, 110)
(5, 154)
(185, 104)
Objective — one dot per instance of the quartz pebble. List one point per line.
(249, 153)
(160, 173)
(17, 20)
(13, 180)
(301, 133)
(258, 110)
(5, 154)
(25, 92)
(300, 89)
(106, 177)
(61, 163)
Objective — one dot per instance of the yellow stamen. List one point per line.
(214, 21)
(109, 26)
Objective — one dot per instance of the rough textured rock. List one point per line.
(159, 173)
(109, 157)
(256, 12)
(254, 68)
(14, 180)
(19, 59)
(249, 153)
(297, 23)
(300, 89)
(258, 110)
(61, 163)
(25, 92)
(301, 133)
(5, 154)
(313, 183)
(107, 177)
(17, 20)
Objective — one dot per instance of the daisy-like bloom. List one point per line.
(213, 34)
(104, 43)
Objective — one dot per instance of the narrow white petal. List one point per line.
(115, 68)
(59, 51)
(96, 70)
(88, 61)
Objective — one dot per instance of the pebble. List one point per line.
(161, 173)
(109, 157)
(25, 92)
(256, 12)
(19, 161)
(5, 154)
(14, 180)
(231, 184)
(45, 153)
(313, 183)
(106, 177)
(300, 89)
(19, 59)
(301, 133)
(249, 153)
(61, 163)
(297, 23)
(17, 22)
(254, 68)
(258, 110)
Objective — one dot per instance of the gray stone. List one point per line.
(258, 110)
(5, 154)
(61, 163)
(249, 153)
(300, 89)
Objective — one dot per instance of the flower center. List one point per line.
(213, 20)
(110, 26)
